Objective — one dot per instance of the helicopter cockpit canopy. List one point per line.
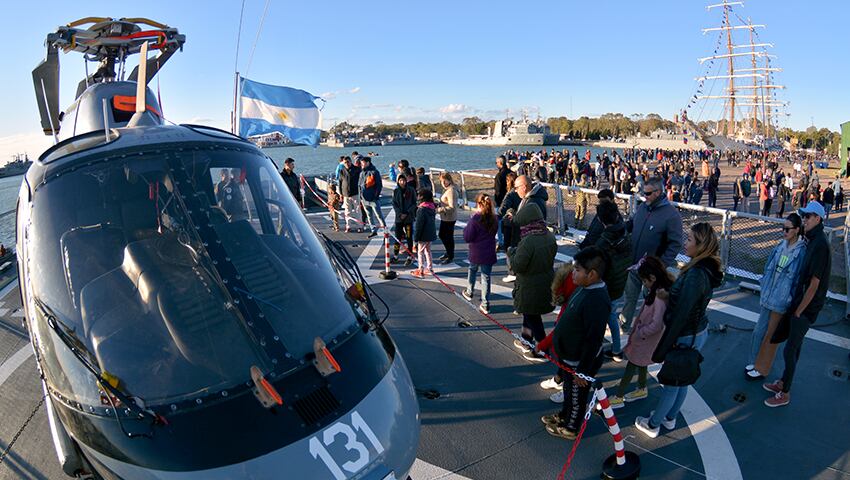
(138, 258)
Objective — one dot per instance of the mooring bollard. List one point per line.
(387, 274)
(622, 465)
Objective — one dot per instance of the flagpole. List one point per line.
(234, 118)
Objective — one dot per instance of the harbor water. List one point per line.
(323, 161)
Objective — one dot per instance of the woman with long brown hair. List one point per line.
(480, 234)
(447, 209)
(685, 323)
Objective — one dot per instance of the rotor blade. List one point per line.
(154, 64)
(141, 85)
(46, 74)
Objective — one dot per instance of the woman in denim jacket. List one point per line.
(777, 286)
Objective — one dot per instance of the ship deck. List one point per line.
(480, 400)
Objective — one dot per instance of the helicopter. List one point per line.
(187, 320)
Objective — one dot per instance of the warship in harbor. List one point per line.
(511, 132)
(18, 166)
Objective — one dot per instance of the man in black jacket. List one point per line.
(500, 182)
(596, 227)
(291, 179)
(349, 188)
(809, 299)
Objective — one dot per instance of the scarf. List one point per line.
(537, 227)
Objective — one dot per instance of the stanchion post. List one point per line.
(463, 191)
(622, 465)
(559, 199)
(387, 274)
(726, 240)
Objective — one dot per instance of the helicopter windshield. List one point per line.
(118, 254)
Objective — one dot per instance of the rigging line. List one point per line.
(238, 38)
(257, 38)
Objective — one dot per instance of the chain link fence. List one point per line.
(746, 239)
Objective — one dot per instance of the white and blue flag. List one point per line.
(269, 108)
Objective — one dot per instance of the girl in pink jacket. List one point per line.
(647, 329)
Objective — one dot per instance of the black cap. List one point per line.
(288, 161)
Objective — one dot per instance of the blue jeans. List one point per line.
(614, 327)
(500, 239)
(672, 398)
(758, 335)
(472, 277)
(374, 213)
(634, 288)
(827, 207)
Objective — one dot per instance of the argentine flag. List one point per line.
(269, 108)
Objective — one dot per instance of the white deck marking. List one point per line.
(422, 470)
(718, 457)
(744, 314)
(8, 367)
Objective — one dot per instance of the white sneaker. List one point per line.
(509, 279)
(557, 397)
(550, 384)
(642, 424)
(668, 424)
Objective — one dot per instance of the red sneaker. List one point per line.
(417, 273)
(779, 400)
(774, 387)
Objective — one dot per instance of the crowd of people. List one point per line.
(620, 261)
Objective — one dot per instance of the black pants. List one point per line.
(534, 324)
(781, 211)
(447, 236)
(575, 399)
(736, 200)
(404, 231)
(766, 208)
(793, 346)
(712, 199)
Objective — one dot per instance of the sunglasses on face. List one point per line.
(649, 192)
(788, 229)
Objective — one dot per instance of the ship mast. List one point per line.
(730, 127)
(756, 90)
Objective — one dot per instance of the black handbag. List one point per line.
(681, 366)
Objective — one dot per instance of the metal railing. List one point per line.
(746, 239)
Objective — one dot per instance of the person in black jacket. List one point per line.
(349, 188)
(596, 227)
(291, 179)
(500, 182)
(577, 340)
(404, 205)
(617, 244)
(809, 299)
(685, 321)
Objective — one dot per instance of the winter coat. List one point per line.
(656, 230)
(425, 227)
(500, 185)
(349, 179)
(448, 205)
(424, 182)
(292, 182)
(646, 333)
(689, 297)
(778, 284)
(373, 193)
(616, 243)
(404, 203)
(482, 243)
(594, 232)
(538, 196)
(510, 205)
(532, 262)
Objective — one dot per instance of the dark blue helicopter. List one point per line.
(188, 322)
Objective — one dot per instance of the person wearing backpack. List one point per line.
(370, 195)
(616, 243)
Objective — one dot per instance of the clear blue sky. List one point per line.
(411, 61)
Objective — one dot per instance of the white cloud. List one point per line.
(32, 143)
(454, 108)
(332, 95)
(354, 90)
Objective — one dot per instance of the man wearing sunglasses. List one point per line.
(809, 299)
(656, 229)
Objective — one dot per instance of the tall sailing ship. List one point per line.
(737, 85)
